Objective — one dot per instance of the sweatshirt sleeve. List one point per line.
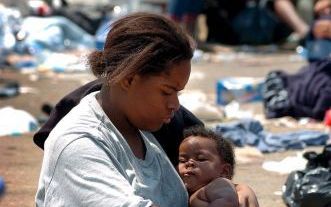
(86, 175)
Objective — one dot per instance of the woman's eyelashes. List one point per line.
(166, 93)
(170, 90)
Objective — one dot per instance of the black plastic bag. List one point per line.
(310, 187)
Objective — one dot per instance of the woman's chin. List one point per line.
(153, 128)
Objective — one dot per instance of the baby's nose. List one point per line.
(190, 163)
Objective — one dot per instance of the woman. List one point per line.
(101, 153)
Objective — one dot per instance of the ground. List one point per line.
(20, 159)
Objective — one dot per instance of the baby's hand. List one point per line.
(219, 192)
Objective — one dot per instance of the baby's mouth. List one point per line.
(188, 174)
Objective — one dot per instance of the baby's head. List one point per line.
(204, 156)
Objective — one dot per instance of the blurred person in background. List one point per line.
(266, 21)
(322, 27)
(185, 12)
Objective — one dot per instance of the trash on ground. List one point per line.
(286, 165)
(312, 185)
(232, 110)
(251, 132)
(55, 34)
(2, 186)
(247, 154)
(8, 88)
(15, 122)
(241, 89)
(197, 103)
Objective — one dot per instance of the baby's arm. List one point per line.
(198, 198)
(219, 192)
(247, 197)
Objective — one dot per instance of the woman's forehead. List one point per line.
(174, 77)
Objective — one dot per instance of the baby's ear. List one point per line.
(226, 171)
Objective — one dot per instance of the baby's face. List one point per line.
(200, 162)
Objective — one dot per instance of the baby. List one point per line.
(206, 166)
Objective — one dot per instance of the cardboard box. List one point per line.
(241, 89)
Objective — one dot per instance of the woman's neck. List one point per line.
(111, 103)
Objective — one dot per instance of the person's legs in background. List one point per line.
(185, 12)
(219, 15)
(322, 7)
(194, 8)
(286, 11)
(176, 9)
(322, 27)
(305, 9)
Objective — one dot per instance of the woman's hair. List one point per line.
(223, 146)
(140, 43)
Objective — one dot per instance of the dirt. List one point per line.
(20, 159)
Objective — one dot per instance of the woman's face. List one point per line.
(152, 100)
(199, 162)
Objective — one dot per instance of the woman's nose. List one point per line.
(174, 103)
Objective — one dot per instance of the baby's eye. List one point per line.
(201, 159)
(181, 160)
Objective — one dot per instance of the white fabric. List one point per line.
(87, 162)
(15, 122)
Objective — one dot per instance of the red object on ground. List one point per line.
(327, 118)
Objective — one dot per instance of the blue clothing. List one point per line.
(179, 8)
(251, 132)
(318, 49)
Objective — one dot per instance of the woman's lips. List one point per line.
(168, 118)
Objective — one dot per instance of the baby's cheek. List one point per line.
(180, 169)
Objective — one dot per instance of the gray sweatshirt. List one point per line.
(87, 162)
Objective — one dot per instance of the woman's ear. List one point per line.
(226, 171)
(126, 82)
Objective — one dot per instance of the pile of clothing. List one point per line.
(304, 94)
